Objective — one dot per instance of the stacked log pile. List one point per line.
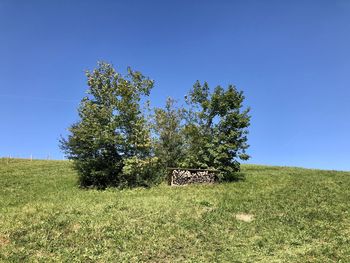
(191, 176)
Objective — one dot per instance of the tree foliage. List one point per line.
(216, 129)
(112, 129)
(112, 144)
(169, 136)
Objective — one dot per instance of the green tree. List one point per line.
(111, 144)
(216, 129)
(168, 130)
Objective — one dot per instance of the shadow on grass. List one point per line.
(235, 177)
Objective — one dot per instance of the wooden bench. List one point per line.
(184, 176)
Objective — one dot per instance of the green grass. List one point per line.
(300, 215)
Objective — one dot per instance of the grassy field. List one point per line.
(277, 214)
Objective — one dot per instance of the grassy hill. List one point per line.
(278, 214)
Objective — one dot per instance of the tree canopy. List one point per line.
(115, 144)
(216, 129)
(112, 134)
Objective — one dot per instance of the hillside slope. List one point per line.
(277, 214)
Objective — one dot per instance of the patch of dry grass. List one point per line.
(244, 217)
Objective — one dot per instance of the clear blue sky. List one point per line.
(291, 58)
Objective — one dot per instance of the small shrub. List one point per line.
(96, 173)
(232, 177)
(142, 172)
